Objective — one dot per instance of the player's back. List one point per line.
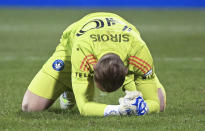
(102, 33)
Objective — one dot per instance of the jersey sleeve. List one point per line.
(82, 82)
(140, 64)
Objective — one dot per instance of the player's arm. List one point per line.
(129, 84)
(83, 91)
(82, 83)
(141, 65)
(136, 45)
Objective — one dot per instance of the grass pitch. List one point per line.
(176, 39)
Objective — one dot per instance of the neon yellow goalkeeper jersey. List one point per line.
(87, 40)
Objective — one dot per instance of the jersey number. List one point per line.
(97, 24)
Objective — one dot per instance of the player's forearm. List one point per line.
(97, 109)
(91, 109)
(84, 96)
(153, 106)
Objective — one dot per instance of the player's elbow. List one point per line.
(82, 111)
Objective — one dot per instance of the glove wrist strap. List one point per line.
(112, 110)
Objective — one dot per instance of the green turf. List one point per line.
(176, 39)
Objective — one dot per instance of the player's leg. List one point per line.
(152, 90)
(161, 95)
(33, 102)
(42, 92)
(52, 80)
(153, 93)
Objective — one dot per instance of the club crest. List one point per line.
(58, 65)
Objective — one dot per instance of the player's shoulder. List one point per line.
(101, 26)
(92, 17)
(100, 14)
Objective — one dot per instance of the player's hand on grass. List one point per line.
(132, 94)
(132, 104)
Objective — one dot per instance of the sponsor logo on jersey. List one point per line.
(83, 75)
(58, 65)
(110, 37)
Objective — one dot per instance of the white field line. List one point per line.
(166, 59)
(152, 28)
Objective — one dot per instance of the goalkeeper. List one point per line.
(102, 49)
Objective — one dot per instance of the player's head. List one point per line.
(109, 72)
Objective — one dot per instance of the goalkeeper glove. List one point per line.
(136, 106)
(132, 94)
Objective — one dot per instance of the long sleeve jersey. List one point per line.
(95, 35)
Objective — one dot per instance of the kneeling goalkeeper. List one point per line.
(102, 49)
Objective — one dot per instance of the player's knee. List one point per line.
(32, 102)
(162, 99)
(24, 106)
(162, 106)
(28, 107)
(25, 103)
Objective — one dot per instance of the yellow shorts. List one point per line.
(54, 78)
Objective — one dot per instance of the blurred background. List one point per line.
(174, 31)
(104, 3)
